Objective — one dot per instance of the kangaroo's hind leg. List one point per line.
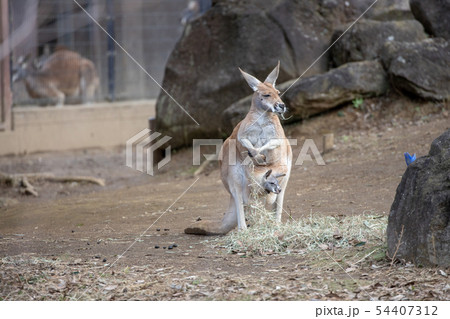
(48, 94)
(89, 83)
(280, 196)
(240, 193)
(56, 96)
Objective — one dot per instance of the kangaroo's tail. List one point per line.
(205, 228)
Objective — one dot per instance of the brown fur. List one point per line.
(260, 139)
(63, 74)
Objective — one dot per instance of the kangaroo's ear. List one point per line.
(280, 175)
(251, 80)
(268, 173)
(273, 76)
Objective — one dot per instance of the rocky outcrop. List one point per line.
(322, 92)
(202, 72)
(434, 15)
(391, 10)
(419, 221)
(366, 38)
(421, 69)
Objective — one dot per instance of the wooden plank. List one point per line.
(5, 85)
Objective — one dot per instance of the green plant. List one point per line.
(196, 281)
(358, 102)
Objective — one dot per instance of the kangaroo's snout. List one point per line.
(275, 190)
(280, 107)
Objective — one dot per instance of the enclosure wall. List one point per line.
(75, 127)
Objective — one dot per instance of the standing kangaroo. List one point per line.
(63, 74)
(259, 138)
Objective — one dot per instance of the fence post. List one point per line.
(5, 85)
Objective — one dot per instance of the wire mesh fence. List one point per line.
(41, 29)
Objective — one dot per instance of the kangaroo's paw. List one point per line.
(260, 160)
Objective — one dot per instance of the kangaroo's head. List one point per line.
(270, 182)
(20, 69)
(266, 96)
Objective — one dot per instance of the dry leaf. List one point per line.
(337, 234)
(111, 287)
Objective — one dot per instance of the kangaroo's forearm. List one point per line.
(272, 144)
(247, 144)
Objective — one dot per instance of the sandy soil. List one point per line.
(66, 243)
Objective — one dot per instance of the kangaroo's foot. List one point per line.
(205, 228)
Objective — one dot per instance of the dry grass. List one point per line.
(315, 232)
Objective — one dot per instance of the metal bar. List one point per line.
(111, 49)
(65, 24)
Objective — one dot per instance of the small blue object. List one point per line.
(409, 158)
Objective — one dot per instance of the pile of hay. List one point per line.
(265, 235)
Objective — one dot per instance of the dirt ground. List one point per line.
(82, 241)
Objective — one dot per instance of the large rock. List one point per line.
(366, 38)
(422, 208)
(434, 15)
(322, 92)
(389, 10)
(421, 68)
(202, 75)
(340, 13)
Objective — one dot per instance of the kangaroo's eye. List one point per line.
(266, 95)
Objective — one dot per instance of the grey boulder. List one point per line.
(389, 10)
(322, 92)
(421, 69)
(419, 220)
(434, 15)
(366, 38)
(202, 72)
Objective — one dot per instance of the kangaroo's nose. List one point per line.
(281, 106)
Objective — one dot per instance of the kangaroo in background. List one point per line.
(258, 137)
(63, 74)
